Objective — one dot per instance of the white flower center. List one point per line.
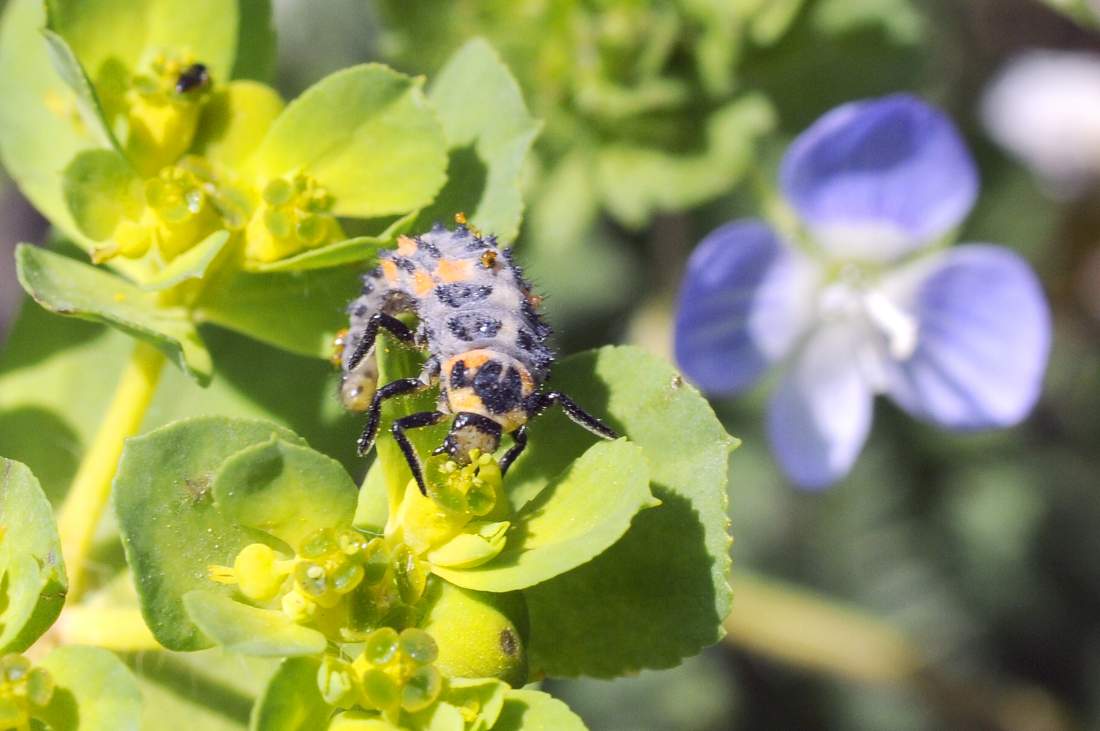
(854, 298)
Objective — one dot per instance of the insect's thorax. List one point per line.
(488, 383)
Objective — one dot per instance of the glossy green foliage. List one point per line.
(486, 151)
(682, 595)
(166, 509)
(32, 573)
(575, 518)
(93, 691)
(68, 287)
(668, 573)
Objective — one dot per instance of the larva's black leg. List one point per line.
(377, 320)
(374, 413)
(573, 410)
(415, 421)
(519, 436)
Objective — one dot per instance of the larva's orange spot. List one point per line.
(406, 246)
(422, 283)
(454, 270)
(473, 359)
(389, 271)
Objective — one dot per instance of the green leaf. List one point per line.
(284, 489)
(637, 181)
(582, 512)
(365, 133)
(533, 710)
(348, 251)
(255, 41)
(191, 264)
(68, 287)
(94, 691)
(659, 594)
(372, 510)
(40, 129)
(72, 73)
(99, 190)
(560, 230)
(50, 409)
(171, 527)
(256, 305)
(33, 584)
(291, 701)
(489, 133)
(212, 690)
(113, 31)
(249, 630)
(234, 120)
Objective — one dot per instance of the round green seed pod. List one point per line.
(479, 634)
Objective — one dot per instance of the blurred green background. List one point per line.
(984, 550)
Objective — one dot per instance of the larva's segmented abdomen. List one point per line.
(468, 295)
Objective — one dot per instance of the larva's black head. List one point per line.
(470, 432)
(193, 77)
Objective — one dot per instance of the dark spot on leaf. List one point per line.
(197, 488)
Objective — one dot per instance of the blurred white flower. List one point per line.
(1044, 107)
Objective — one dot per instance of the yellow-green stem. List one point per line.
(121, 629)
(87, 498)
(797, 627)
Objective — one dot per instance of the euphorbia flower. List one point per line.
(864, 303)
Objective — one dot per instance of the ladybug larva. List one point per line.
(485, 341)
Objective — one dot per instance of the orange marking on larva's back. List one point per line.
(454, 270)
(406, 246)
(389, 271)
(473, 359)
(422, 283)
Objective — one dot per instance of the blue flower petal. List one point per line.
(743, 302)
(820, 415)
(983, 341)
(876, 179)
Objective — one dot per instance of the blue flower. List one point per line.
(863, 303)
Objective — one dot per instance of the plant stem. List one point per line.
(79, 515)
(121, 629)
(798, 627)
